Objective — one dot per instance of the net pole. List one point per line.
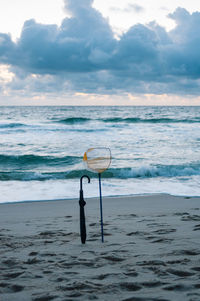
(101, 208)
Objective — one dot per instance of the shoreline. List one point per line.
(104, 197)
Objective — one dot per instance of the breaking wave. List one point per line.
(165, 171)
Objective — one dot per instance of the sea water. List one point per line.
(154, 150)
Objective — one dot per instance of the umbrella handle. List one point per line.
(81, 181)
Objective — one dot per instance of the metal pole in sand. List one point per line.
(101, 208)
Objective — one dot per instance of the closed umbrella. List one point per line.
(82, 203)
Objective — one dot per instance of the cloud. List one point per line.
(135, 7)
(80, 44)
(131, 7)
(83, 55)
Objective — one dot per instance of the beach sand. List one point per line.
(151, 250)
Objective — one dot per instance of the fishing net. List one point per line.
(97, 159)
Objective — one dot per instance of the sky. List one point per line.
(101, 52)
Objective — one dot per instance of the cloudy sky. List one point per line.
(84, 52)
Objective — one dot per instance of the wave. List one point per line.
(42, 176)
(151, 120)
(73, 120)
(165, 171)
(11, 125)
(27, 160)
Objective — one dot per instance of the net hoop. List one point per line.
(97, 159)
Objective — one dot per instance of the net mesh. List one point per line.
(97, 159)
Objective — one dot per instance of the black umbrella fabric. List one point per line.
(82, 203)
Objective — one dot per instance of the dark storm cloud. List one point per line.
(82, 54)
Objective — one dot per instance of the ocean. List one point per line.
(154, 150)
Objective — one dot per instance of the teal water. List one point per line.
(154, 150)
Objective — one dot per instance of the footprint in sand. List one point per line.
(196, 269)
(44, 298)
(33, 260)
(113, 258)
(184, 252)
(163, 240)
(180, 273)
(189, 217)
(12, 262)
(134, 298)
(10, 288)
(12, 275)
(103, 276)
(33, 253)
(164, 231)
(178, 287)
(129, 286)
(150, 284)
(196, 227)
(131, 274)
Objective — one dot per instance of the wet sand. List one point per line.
(151, 250)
